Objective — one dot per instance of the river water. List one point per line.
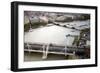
(55, 34)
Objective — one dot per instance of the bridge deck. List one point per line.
(53, 48)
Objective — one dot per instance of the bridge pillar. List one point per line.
(43, 56)
(65, 50)
(45, 51)
(28, 47)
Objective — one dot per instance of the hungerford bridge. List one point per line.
(53, 48)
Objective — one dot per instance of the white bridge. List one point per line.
(53, 48)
